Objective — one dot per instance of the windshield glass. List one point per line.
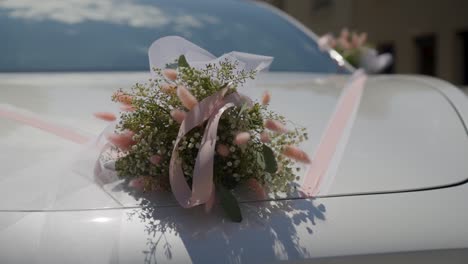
(114, 35)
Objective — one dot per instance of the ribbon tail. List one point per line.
(33, 120)
(209, 204)
(331, 147)
(195, 117)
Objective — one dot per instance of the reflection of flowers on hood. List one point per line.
(355, 50)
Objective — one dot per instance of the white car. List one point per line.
(400, 191)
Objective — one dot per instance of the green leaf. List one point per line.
(182, 62)
(270, 161)
(230, 205)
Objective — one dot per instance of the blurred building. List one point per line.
(426, 36)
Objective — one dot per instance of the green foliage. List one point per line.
(182, 62)
(270, 161)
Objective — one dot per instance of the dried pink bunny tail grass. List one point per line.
(123, 98)
(222, 150)
(170, 74)
(178, 115)
(362, 39)
(344, 33)
(187, 99)
(275, 126)
(167, 88)
(123, 141)
(355, 40)
(264, 137)
(242, 138)
(257, 188)
(127, 108)
(296, 154)
(266, 98)
(145, 183)
(155, 159)
(138, 183)
(343, 40)
(106, 116)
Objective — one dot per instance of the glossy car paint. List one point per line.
(42, 223)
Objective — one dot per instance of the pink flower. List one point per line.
(123, 141)
(257, 188)
(178, 115)
(242, 138)
(167, 88)
(264, 137)
(222, 150)
(266, 98)
(123, 98)
(296, 154)
(155, 159)
(275, 126)
(170, 74)
(107, 116)
(187, 99)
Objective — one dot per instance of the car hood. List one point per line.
(407, 135)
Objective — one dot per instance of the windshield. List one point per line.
(114, 35)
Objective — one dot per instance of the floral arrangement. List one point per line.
(355, 49)
(155, 142)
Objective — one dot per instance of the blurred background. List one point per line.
(427, 37)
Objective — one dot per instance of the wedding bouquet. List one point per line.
(190, 132)
(354, 48)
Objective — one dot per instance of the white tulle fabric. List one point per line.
(168, 49)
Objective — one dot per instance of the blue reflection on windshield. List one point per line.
(89, 35)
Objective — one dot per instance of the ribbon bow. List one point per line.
(211, 109)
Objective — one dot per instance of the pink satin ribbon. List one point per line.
(333, 135)
(211, 109)
(31, 120)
